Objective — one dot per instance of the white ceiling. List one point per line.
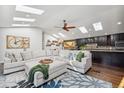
(75, 15)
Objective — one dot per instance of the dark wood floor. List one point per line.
(107, 73)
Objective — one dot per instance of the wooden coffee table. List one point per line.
(46, 61)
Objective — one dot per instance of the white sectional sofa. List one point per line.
(22, 58)
(56, 68)
(63, 55)
(84, 65)
(32, 58)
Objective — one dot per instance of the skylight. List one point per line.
(83, 29)
(62, 35)
(23, 19)
(20, 24)
(55, 35)
(98, 26)
(26, 9)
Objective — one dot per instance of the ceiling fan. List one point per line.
(66, 27)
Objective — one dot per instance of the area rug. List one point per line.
(70, 79)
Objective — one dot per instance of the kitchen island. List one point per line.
(112, 57)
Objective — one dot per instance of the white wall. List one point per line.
(35, 35)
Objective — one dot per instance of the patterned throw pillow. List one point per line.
(79, 56)
(13, 58)
(70, 56)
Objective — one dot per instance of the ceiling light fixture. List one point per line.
(62, 35)
(23, 19)
(98, 26)
(83, 29)
(119, 23)
(26, 9)
(55, 35)
(20, 24)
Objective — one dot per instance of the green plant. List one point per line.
(82, 47)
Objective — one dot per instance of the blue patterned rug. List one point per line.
(70, 79)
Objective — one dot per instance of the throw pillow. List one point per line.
(13, 58)
(70, 56)
(79, 56)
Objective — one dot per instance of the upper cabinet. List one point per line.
(107, 40)
(102, 41)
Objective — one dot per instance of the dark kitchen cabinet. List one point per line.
(114, 38)
(121, 37)
(102, 41)
(107, 40)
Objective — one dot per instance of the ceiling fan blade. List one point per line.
(70, 27)
(66, 29)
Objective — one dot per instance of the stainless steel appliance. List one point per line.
(119, 44)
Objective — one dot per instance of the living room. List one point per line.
(83, 48)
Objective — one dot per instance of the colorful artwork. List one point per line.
(15, 42)
(70, 44)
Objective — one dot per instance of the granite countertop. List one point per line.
(106, 50)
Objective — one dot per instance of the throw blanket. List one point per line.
(40, 67)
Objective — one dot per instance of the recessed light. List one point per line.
(55, 35)
(26, 9)
(23, 19)
(119, 23)
(83, 29)
(20, 24)
(62, 35)
(98, 26)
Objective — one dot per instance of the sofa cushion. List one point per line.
(18, 57)
(55, 52)
(48, 52)
(13, 56)
(13, 65)
(79, 56)
(26, 55)
(77, 64)
(64, 54)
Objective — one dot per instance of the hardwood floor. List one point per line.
(107, 73)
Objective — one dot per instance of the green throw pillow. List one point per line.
(79, 56)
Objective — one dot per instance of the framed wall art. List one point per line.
(17, 42)
(71, 44)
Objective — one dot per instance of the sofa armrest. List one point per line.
(84, 60)
(87, 60)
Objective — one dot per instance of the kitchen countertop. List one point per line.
(105, 50)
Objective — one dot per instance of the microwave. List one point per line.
(119, 44)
